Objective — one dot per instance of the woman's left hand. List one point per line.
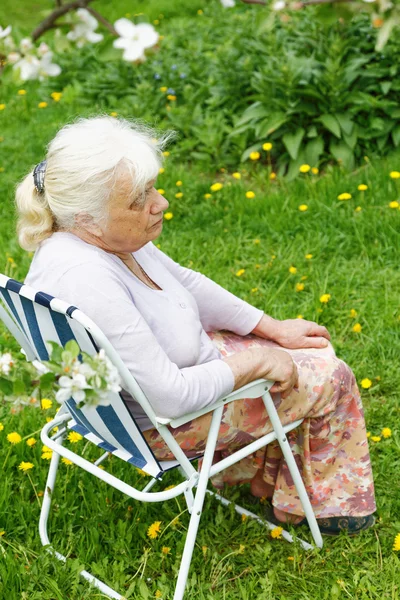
(293, 333)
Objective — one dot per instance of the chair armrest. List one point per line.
(255, 389)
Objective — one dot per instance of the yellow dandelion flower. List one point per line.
(276, 532)
(158, 593)
(366, 383)
(244, 518)
(303, 207)
(56, 96)
(199, 12)
(1, 426)
(308, 256)
(204, 550)
(74, 437)
(272, 175)
(179, 195)
(2, 106)
(324, 299)
(215, 187)
(25, 466)
(256, 241)
(299, 317)
(154, 530)
(66, 461)
(362, 187)
(376, 438)
(163, 88)
(368, 434)
(315, 171)
(46, 403)
(2, 533)
(171, 97)
(304, 168)
(161, 191)
(250, 195)
(42, 105)
(242, 548)
(290, 557)
(352, 313)
(178, 183)
(386, 432)
(292, 270)
(14, 437)
(357, 328)
(168, 216)
(394, 204)
(31, 442)
(254, 290)
(161, 170)
(166, 153)
(169, 487)
(344, 196)
(236, 175)
(267, 146)
(21, 92)
(358, 209)
(240, 272)
(166, 550)
(207, 196)
(299, 287)
(254, 155)
(396, 544)
(392, 174)
(47, 455)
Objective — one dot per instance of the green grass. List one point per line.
(355, 259)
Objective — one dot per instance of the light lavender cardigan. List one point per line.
(159, 334)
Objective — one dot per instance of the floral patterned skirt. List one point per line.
(330, 446)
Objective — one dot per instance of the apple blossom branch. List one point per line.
(62, 9)
(300, 4)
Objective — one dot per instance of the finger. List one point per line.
(315, 342)
(320, 330)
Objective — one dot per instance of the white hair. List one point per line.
(84, 162)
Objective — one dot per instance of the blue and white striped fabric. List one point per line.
(42, 318)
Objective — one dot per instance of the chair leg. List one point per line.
(294, 471)
(44, 515)
(198, 504)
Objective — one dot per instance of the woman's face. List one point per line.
(130, 224)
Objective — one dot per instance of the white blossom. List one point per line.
(84, 31)
(43, 49)
(26, 45)
(279, 5)
(5, 32)
(72, 387)
(13, 57)
(228, 3)
(6, 362)
(30, 67)
(134, 39)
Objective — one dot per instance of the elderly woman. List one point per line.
(91, 212)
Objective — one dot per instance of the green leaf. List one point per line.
(313, 151)
(18, 387)
(255, 111)
(396, 135)
(268, 126)
(73, 348)
(345, 122)
(385, 86)
(292, 142)
(384, 33)
(46, 381)
(331, 124)
(351, 140)
(312, 132)
(342, 153)
(294, 165)
(248, 151)
(6, 386)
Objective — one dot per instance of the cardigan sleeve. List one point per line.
(171, 391)
(218, 308)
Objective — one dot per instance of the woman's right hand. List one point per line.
(264, 363)
(280, 368)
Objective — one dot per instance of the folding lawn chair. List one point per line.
(35, 318)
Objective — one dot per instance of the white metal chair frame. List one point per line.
(193, 479)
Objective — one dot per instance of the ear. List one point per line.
(86, 222)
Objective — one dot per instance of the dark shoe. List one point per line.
(330, 525)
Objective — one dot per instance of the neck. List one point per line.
(94, 240)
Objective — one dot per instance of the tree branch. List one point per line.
(49, 21)
(102, 19)
(254, 2)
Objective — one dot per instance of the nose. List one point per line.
(162, 203)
